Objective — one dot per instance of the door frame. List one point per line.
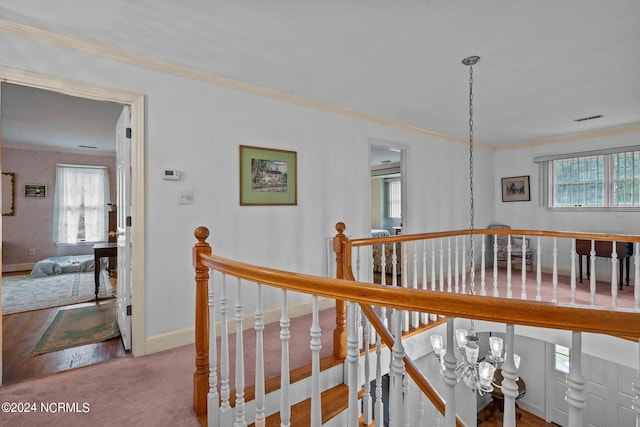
(136, 101)
(375, 142)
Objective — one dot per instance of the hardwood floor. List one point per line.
(20, 334)
(527, 419)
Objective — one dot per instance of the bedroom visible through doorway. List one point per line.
(32, 321)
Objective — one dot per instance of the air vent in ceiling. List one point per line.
(587, 118)
(88, 146)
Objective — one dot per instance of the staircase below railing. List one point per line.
(438, 287)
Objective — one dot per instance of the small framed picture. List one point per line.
(268, 176)
(35, 190)
(515, 189)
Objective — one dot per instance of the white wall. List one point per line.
(197, 128)
(530, 215)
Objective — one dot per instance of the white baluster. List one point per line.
(358, 263)
(495, 266)
(456, 267)
(449, 287)
(405, 401)
(394, 264)
(315, 346)
(213, 398)
(509, 294)
(539, 270)
(614, 276)
(635, 402)
(240, 420)
(523, 267)
(483, 289)
(441, 267)
(573, 271)
(592, 269)
(422, 421)
(366, 399)
(510, 375)
(433, 272)
(464, 265)
(226, 414)
(449, 378)
(285, 405)
(424, 317)
(415, 316)
(259, 387)
(383, 265)
(352, 365)
(554, 279)
(575, 395)
(379, 407)
(396, 371)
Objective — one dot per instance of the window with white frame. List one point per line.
(605, 178)
(394, 197)
(80, 204)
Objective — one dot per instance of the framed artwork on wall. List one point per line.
(35, 190)
(515, 189)
(268, 176)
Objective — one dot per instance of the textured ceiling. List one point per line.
(544, 63)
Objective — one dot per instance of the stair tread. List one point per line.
(334, 401)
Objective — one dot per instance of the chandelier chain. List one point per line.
(471, 206)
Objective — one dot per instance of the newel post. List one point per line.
(342, 248)
(201, 374)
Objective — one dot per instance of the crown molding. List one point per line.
(148, 62)
(572, 137)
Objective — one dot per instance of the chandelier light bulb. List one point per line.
(485, 374)
(496, 345)
(461, 338)
(437, 344)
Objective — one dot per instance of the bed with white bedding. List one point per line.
(62, 265)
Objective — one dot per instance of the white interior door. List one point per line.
(123, 183)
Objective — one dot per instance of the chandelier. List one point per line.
(475, 375)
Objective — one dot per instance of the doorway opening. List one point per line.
(387, 189)
(99, 96)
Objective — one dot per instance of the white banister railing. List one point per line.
(239, 378)
(259, 376)
(575, 395)
(226, 413)
(285, 403)
(315, 346)
(409, 305)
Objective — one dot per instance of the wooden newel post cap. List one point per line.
(340, 227)
(201, 233)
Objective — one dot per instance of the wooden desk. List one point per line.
(604, 250)
(101, 250)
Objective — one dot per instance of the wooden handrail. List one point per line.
(542, 233)
(622, 323)
(520, 312)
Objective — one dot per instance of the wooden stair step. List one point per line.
(334, 401)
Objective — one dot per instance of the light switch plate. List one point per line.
(185, 197)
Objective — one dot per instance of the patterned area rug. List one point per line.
(22, 293)
(74, 327)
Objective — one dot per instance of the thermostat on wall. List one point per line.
(170, 174)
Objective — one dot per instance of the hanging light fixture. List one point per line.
(477, 376)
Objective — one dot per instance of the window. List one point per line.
(80, 204)
(562, 359)
(606, 178)
(394, 198)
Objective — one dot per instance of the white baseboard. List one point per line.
(27, 266)
(169, 340)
